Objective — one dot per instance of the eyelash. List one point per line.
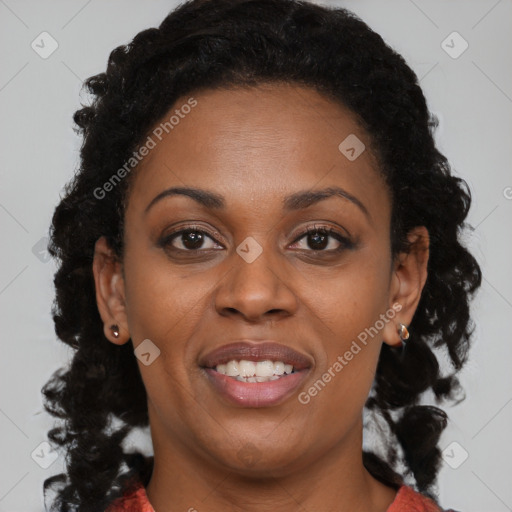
(345, 243)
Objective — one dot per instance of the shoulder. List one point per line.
(409, 500)
(134, 501)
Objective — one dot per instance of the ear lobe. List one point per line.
(409, 277)
(110, 295)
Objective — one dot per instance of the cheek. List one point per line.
(158, 299)
(351, 305)
(351, 299)
(165, 308)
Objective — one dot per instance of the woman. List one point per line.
(261, 245)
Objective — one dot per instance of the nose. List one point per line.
(257, 291)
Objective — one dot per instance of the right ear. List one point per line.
(110, 294)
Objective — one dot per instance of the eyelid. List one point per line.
(338, 232)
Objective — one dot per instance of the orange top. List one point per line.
(406, 500)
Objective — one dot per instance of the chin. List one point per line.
(259, 460)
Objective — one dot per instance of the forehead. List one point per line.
(258, 144)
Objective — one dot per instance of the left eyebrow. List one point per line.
(306, 198)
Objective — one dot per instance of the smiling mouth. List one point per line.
(247, 374)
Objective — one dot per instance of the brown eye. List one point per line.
(189, 240)
(318, 241)
(323, 240)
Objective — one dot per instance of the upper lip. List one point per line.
(255, 351)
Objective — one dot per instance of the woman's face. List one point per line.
(254, 169)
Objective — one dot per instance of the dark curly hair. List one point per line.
(206, 44)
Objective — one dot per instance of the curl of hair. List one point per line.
(207, 44)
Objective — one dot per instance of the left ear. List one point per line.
(407, 282)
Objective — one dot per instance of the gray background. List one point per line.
(472, 96)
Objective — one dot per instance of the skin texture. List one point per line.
(254, 147)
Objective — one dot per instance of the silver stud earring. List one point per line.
(115, 330)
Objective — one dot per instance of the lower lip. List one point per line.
(255, 394)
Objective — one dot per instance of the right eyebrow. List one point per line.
(203, 197)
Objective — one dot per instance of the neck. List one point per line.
(336, 481)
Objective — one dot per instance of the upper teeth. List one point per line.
(245, 368)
